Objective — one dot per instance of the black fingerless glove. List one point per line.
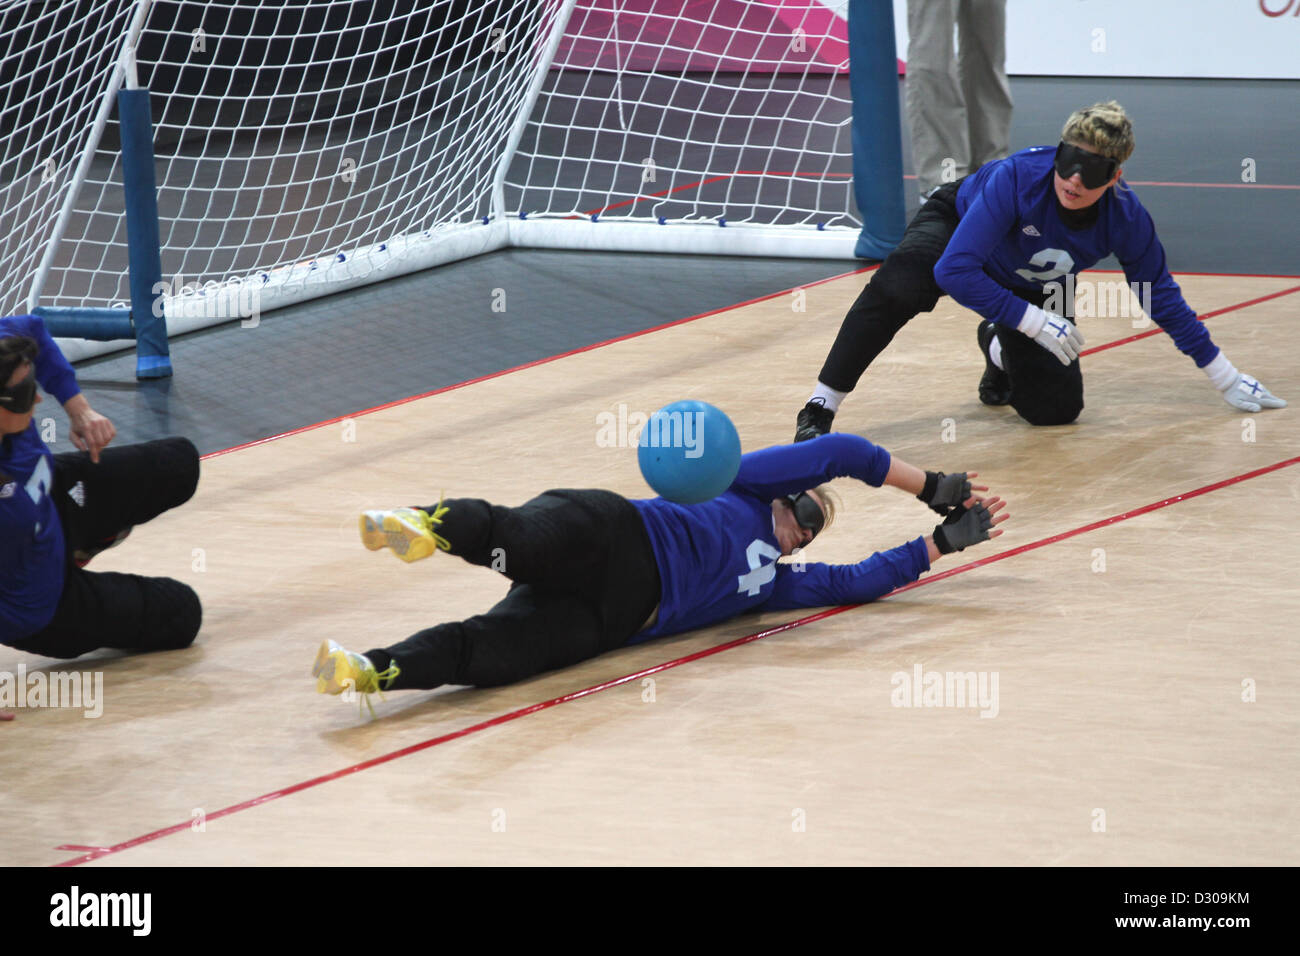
(944, 492)
(962, 528)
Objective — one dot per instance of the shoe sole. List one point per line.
(807, 435)
(324, 667)
(990, 394)
(408, 543)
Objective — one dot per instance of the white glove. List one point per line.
(1243, 392)
(1054, 333)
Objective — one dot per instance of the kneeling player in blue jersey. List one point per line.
(593, 571)
(1002, 241)
(59, 511)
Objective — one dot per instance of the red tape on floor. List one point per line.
(100, 852)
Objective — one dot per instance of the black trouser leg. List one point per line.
(586, 580)
(528, 632)
(1043, 391)
(564, 539)
(129, 486)
(126, 611)
(900, 289)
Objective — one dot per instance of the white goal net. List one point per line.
(308, 146)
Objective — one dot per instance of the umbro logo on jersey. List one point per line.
(78, 494)
(8, 490)
(1031, 231)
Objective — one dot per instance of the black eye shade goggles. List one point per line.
(19, 398)
(1094, 170)
(807, 512)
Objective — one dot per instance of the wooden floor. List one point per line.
(1119, 734)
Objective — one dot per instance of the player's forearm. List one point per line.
(932, 549)
(906, 477)
(76, 405)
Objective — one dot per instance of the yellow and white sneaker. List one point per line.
(407, 532)
(340, 671)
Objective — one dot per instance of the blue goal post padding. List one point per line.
(877, 127)
(153, 358)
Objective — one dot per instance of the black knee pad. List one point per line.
(1057, 413)
(173, 615)
(180, 459)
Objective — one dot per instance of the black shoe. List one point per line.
(814, 419)
(995, 385)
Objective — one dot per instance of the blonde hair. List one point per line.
(1104, 128)
(830, 504)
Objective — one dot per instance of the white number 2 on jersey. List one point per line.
(1061, 263)
(759, 573)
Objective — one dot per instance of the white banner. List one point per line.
(1253, 39)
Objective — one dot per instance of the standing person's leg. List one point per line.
(900, 289)
(982, 65)
(936, 106)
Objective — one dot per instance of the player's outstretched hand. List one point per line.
(1248, 394)
(945, 492)
(975, 521)
(1053, 332)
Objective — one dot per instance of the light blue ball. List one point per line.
(689, 452)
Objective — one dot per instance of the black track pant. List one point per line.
(585, 581)
(1043, 391)
(131, 484)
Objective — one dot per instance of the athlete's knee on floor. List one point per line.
(173, 615)
(1050, 413)
(180, 460)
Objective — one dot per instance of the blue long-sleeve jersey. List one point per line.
(1011, 236)
(719, 559)
(31, 536)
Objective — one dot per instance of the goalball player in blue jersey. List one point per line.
(59, 511)
(1002, 242)
(593, 571)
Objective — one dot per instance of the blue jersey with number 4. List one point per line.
(1011, 235)
(31, 536)
(719, 558)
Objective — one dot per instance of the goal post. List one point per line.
(313, 146)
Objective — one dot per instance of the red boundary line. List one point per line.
(692, 318)
(1202, 317)
(1229, 275)
(792, 174)
(536, 362)
(1138, 182)
(100, 852)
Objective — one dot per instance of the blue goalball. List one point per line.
(689, 452)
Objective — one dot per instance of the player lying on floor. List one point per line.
(1002, 242)
(593, 571)
(59, 511)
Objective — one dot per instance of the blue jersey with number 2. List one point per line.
(1011, 235)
